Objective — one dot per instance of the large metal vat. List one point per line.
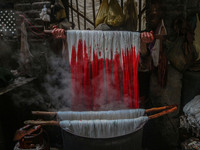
(131, 141)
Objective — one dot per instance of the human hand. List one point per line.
(147, 37)
(58, 33)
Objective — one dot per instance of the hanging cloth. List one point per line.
(130, 15)
(104, 68)
(155, 51)
(158, 56)
(197, 38)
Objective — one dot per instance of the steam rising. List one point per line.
(58, 83)
(58, 87)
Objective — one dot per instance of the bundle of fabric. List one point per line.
(103, 124)
(104, 68)
(192, 112)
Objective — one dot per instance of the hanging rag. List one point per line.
(25, 54)
(131, 16)
(158, 56)
(104, 68)
(197, 38)
(155, 51)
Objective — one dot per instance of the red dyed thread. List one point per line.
(92, 91)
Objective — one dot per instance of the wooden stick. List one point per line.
(157, 36)
(38, 122)
(48, 31)
(160, 36)
(163, 113)
(159, 108)
(44, 113)
(33, 122)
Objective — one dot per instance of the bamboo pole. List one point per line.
(56, 123)
(163, 113)
(159, 108)
(44, 113)
(156, 109)
(156, 36)
(39, 122)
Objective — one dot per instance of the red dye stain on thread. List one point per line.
(92, 86)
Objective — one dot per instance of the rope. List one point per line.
(42, 36)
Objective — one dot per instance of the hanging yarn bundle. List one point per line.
(104, 68)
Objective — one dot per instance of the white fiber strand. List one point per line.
(103, 42)
(103, 115)
(103, 128)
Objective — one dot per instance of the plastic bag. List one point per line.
(115, 14)
(102, 13)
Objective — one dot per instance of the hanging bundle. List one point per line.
(102, 13)
(115, 14)
(104, 68)
(197, 38)
(60, 13)
(130, 12)
(181, 52)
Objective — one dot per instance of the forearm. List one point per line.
(143, 48)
